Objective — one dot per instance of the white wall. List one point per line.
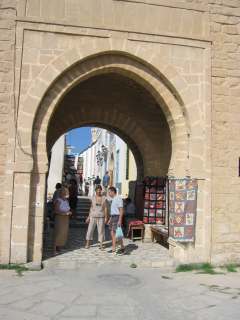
(56, 164)
(121, 167)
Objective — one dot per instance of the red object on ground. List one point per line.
(134, 223)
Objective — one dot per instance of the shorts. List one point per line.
(114, 223)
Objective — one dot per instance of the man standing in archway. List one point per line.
(97, 181)
(116, 218)
(106, 180)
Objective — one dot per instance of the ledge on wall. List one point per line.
(171, 4)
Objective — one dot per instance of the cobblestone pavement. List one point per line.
(142, 254)
(94, 284)
(115, 291)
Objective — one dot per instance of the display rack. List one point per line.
(154, 200)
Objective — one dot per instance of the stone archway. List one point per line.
(121, 105)
(167, 100)
(158, 96)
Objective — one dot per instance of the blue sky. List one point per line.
(80, 138)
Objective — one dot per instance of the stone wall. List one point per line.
(7, 42)
(185, 18)
(225, 33)
(165, 49)
(172, 36)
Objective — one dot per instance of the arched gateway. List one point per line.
(112, 89)
(176, 105)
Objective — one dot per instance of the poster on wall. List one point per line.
(182, 209)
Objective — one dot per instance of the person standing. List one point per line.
(80, 182)
(68, 177)
(106, 181)
(55, 196)
(86, 188)
(97, 217)
(56, 192)
(116, 218)
(97, 181)
(77, 178)
(129, 211)
(73, 196)
(61, 226)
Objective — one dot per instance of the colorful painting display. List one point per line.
(182, 209)
(154, 200)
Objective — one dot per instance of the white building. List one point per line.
(108, 153)
(56, 164)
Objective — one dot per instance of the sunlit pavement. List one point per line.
(93, 284)
(116, 291)
(142, 254)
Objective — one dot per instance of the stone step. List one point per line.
(82, 213)
(80, 217)
(83, 205)
(83, 209)
(88, 203)
(84, 199)
(77, 224)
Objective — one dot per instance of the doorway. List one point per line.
(110, 91)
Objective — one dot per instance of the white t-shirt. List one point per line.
(117, 203)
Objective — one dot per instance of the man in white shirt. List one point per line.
(116, 217)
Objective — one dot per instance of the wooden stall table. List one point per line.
(160, 234)
(136, 225)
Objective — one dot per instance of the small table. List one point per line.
(160, 234)
(136, 225)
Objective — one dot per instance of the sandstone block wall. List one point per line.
(195, 43)
(225, 33)
(174, 40)
(7, 45)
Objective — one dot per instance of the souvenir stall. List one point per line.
(155, 198)
(167, 208)
(151, 207)
(155, 213)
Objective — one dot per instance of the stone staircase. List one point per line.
(82, 211)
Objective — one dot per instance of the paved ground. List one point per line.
(144, 254)
(115, 291)
(91, 284)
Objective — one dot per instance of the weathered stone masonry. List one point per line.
(7, 59)
(184, 53)
(225, 34)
